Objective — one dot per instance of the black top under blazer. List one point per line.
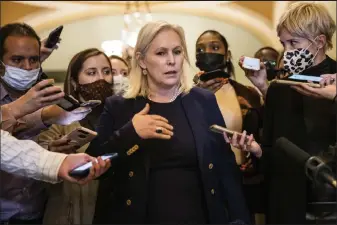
(122, 195)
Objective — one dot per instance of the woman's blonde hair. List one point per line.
(138, 85)
(308, 20)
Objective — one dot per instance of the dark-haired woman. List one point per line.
(240, 106)
(89, 77)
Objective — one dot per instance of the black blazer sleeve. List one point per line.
(230, 173)
(111, 136)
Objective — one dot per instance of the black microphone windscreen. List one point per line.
(291, 150)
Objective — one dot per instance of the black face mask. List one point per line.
(210, 61)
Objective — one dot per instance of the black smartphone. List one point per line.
(83, 171)
(54, 37)
(213, 74)
(69, 103)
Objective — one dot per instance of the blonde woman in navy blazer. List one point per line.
(171, 167)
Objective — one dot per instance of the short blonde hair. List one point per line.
(138, 85)
(308, 20)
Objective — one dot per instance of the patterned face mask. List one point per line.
(297, 60)
(98, 90)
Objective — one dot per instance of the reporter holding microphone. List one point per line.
(171, 167)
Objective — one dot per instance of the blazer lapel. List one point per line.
(139, 104)
(194, 116)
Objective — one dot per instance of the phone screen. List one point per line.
(89, 164)
(305, 78)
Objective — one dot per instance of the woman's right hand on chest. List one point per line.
(151, 126)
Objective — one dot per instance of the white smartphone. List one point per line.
(83, 171)
(80, 136)
(251, 63)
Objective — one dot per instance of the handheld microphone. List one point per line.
(315, 169)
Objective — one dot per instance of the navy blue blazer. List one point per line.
(122, 194)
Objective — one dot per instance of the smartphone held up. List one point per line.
(54, 37)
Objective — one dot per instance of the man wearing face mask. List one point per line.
(22, 199)
(307, 122)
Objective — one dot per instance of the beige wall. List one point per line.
(84, 34)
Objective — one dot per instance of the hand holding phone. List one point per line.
(36, 98)
(80, 136)
(83, 171)
(69, 103)
(221, 130)
(213, 74)
(212, 85)
(239, 140)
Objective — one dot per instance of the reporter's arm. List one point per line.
(8, 121)
(24, 115)
(26, 126)
(27, 158)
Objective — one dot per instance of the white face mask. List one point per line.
(120, 83)
(20, 79)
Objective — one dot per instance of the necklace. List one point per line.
(172, 99)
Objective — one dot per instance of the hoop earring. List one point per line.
(144, 71)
